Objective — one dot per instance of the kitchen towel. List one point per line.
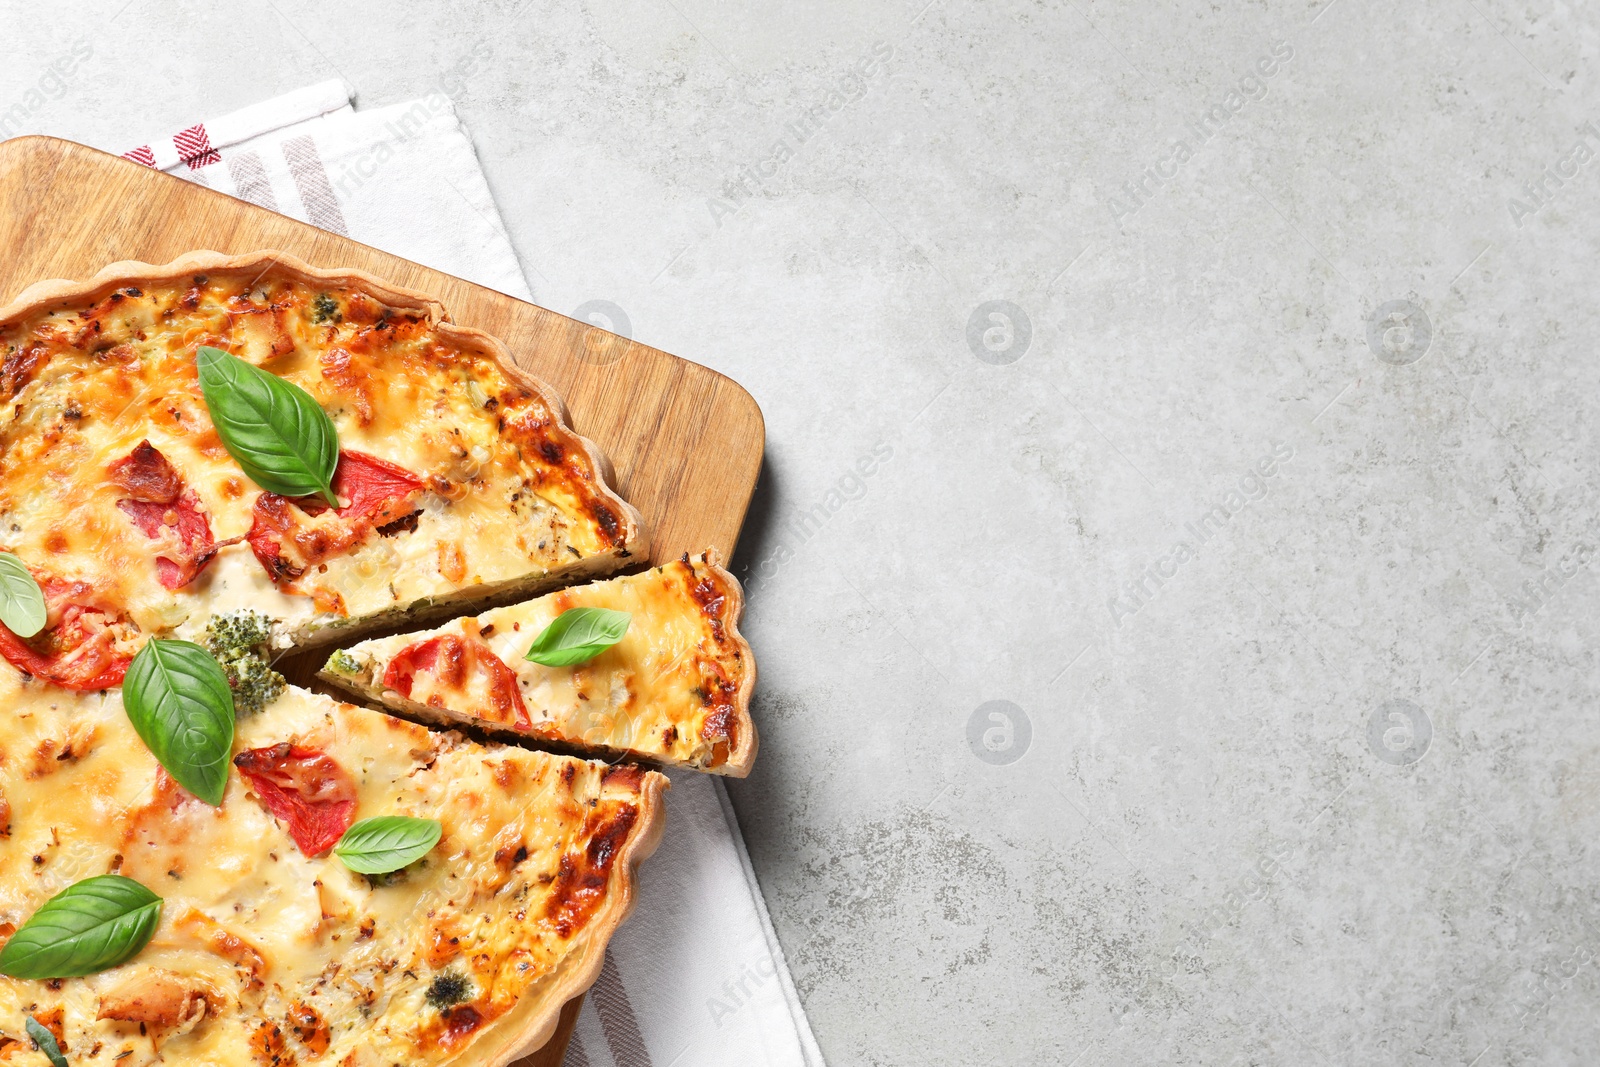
(404, 178)
(696, 978)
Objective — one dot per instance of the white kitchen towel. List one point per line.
(696, 978)
(403, 178)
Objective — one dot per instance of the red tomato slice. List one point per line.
(157, 502)
(449, 660)
(377, 493)
(271, 523)
(77, 648)
(305, 788)
(196, 547)
(423, 658)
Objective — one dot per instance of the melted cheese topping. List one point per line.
(510, 498)
(672, 690)
(265, 956)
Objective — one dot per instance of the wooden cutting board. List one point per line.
(686, 441)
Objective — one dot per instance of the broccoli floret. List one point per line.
(238, 639)
(342, 662)
(234, 633)
(448, 989)
(324, 309)
(254, 683)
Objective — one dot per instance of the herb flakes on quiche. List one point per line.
(670, 684)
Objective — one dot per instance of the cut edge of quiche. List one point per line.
(621, 522)
(675, 690)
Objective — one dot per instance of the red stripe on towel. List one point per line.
(194, 147)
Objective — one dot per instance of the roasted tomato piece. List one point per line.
(77, 649)
(162, 508)
(450, 670)
(195, 546)
(377, 493)
(146, 476)
(273, 522)
(305, 788)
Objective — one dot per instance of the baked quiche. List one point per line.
(266, 947)
(205, 463)
(674, 686)
(450, 474)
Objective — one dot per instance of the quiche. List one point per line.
(134, 526)
(457, 478)
(675, 689)
(269, 951)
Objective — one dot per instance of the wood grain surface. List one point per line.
(686, 441)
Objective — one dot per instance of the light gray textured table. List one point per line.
(1170, 574)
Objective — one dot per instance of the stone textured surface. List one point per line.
(1185, 840)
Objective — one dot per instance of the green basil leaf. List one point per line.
(178, 700)
(45, 1040)
(88, 927)
(387, 843)
(21, 599)
(272, 428)
(578, 636)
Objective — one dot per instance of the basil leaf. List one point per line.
(387, 843)
(45, 1040)
(272, 428)
(21, 599)
(178, 700)
(88, 927)
(578, 636)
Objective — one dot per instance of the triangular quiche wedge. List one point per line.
(267, 955)
(675, 689)
(458, 476)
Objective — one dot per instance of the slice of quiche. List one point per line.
(457, 476)
(268, 948)
(674, 689)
